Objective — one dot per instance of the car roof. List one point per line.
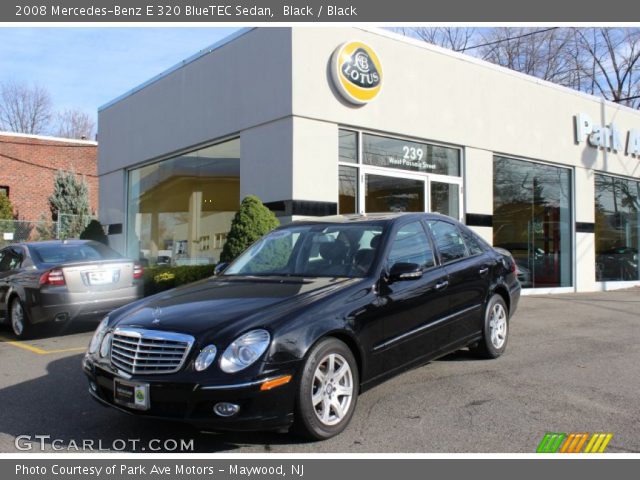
(53, 242)
(372, 217)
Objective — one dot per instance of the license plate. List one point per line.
(101, 277)
(131, 394)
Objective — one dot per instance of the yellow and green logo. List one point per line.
(356, 72)
(574, 442)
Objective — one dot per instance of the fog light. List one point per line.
(225, 409)
(93, 386)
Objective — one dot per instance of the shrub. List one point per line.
(6, 216)
(94, 231)
(251, 222)
(6, 208)
(159, 279)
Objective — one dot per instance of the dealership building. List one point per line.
(319, 121)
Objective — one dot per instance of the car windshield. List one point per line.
(59, 253)
(323, 250)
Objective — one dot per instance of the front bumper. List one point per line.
(193, 403)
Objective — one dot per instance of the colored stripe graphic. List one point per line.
(578, 446)
(554, 442)
(551, 442)
(598, 442)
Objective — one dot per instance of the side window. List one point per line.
(9, 260)
(448, 241)
(411, 245)
(473, 243)
(16, 261)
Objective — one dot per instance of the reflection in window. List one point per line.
(445, 199)
(348, 188)
(391, 194)
(348, 146)
(180, 209)
(411, 245)
(532, 219)
(617, 229)
(448, 240)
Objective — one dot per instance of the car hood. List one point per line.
(214, 304)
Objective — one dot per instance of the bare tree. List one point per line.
(610, 63)
(599, 61)
(547, 53)
(24, 109)
(453, 38)
(75, 123)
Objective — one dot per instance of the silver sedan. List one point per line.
(59, 281)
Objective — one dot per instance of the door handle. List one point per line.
(442, 284)
(483, 270)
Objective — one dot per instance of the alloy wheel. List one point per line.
(332, 389)
(17, 318)
(498, 326)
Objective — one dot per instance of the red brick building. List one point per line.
(28, 164)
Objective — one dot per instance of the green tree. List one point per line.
(6, 208)
(94, 231)
(6, 215)
(69, 204)
(251, 222)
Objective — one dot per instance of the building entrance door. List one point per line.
(384, 191)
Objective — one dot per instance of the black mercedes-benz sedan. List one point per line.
(308, 317)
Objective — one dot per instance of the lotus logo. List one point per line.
(356, 72)
(157, 311)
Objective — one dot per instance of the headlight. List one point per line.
(207, 354)
(244, 351)
(105, 346)
(98, 336)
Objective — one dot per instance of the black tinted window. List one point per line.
(474, 244)
(411, 245)
(68, 253)
(9, 260)
(448, 241)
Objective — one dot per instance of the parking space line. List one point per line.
(36, 350)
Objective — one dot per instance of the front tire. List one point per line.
(495, 331)
(20, 323)
(328, 391)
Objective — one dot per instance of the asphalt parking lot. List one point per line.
(571, 366)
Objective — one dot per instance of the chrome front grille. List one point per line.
(137, 351)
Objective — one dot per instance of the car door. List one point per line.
(413, 307)
(468, 267)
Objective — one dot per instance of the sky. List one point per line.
(85, 68)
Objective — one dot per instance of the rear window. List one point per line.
(70, 253)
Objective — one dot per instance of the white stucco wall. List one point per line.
(272, 87)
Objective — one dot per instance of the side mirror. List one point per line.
(404, 271)
(221, 267)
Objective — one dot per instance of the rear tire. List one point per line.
(495, 330)
(20, 323)
(328, 391)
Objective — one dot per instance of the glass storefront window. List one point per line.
(393, 194)
(413, 156)
(180, 209)
(445, 199)
(348, 146)
(617, 229)
(348, 188)
(532, 219)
